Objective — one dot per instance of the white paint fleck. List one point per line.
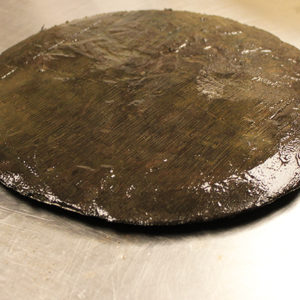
(292, 60)
(36, 56)
(209, 86)
(8, 74)
(273, 175)
(248, 51)
(56, 45)
(129, 191)
(103, 213)
(181, 46)
(85, 168)
(267, 81)
(10, 179)
(233, 32)
(206, 187)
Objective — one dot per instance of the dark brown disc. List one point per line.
(151, 117)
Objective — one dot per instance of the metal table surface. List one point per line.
(46, 253)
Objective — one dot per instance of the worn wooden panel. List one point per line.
(156, 117)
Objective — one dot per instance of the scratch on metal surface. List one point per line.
(23, 213)
(132, 261)
(70, 262)
(79, 268)
(14, 238)
(24, 266)
(113, 288)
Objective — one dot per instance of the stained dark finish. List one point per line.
(151, 117)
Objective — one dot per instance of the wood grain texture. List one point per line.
(154, 117)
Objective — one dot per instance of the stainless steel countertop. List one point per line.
(46, 253)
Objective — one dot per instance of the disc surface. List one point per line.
(151, 117)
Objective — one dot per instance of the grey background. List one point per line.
(46, 253)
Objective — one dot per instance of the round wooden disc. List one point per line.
(151, 117)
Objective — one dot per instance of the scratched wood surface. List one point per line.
(151, 117)
(48, 255)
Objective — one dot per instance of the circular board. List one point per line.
(151, 117)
